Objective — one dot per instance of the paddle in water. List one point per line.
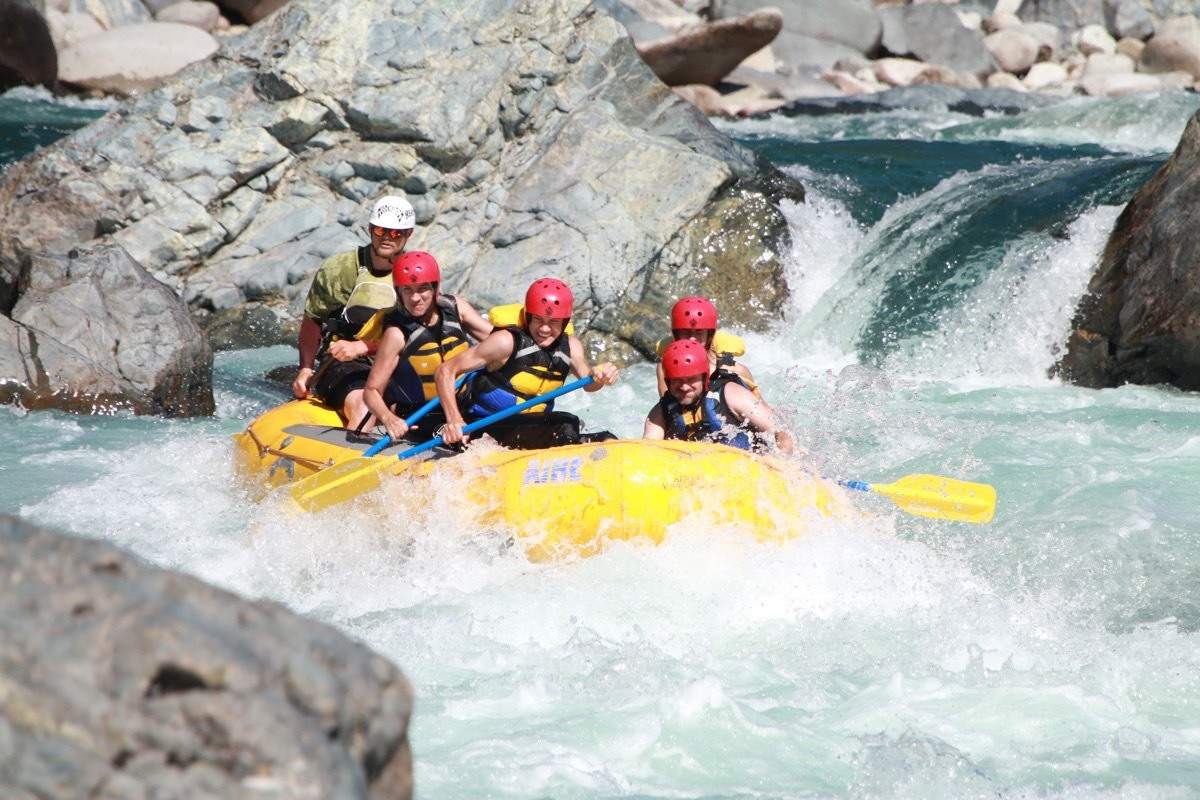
(937, 497)
(344, 481)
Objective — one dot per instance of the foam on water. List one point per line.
(883, 656)
(1134, 123)
(1011, 328)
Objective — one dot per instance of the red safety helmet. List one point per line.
(695, 314)
(550, 298)
(416, 267)
(684, 358)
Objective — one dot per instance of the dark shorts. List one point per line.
(396, 398)
(426, 428)
(338, 380)
(539, 431)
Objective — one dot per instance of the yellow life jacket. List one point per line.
(372, 329)
(724, 344)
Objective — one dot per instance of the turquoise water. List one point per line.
(33, 118)
(1053, 653)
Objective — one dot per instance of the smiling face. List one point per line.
(687, 390)
(417, 298)
(545, 330)
(388, 243)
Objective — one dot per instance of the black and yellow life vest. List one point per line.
(529, 372)
(727, 346)
(711, 419)
(425, 348)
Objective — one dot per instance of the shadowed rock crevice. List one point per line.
(174, 679)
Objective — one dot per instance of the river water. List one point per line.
(1053, 653)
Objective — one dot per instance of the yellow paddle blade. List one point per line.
(339, 483)
(943, 498)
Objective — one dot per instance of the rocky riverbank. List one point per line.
(728, 57)
(825, 49)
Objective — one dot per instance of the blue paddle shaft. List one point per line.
(416, 415)
(499, 415)
(862, 486)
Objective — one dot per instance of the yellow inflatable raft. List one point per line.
(561, 502)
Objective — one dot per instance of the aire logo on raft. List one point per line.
(554, 470)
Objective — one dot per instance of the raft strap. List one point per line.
(265, 450)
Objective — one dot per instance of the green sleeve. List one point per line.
(331, 286)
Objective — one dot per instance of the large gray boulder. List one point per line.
(932, 33)
(528, 134)
(1140, 319)
(122, 680)
(816, 33)
(93, 331)
(1128, 18)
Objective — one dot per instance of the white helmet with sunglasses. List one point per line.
(393, 212)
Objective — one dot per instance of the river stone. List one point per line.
(198, 13)
(706, 52)
(932, 33)
(1014, 49)
(94, 332)
(1068, 15)
(1174, 47)
(1128, 19)
(119, 679)
(1139, 321)
(134, 58)
(68, 29)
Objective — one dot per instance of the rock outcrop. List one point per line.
(1140, 321)
(825, 46)
(92, 332)
(120, 679)
(530, 137)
